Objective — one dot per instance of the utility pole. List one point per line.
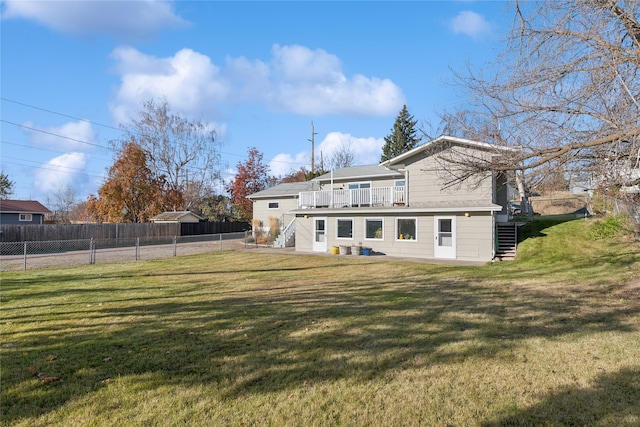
(313, 154)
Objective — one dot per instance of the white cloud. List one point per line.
(283, 164)
(59, 172)
(122, 19)
(311, 82)
(299, 63)
(366, 151)
(470, 23)
(78, 136)
(188, 81)
(297, 80)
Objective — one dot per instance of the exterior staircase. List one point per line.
(287, 236)
(506, 241)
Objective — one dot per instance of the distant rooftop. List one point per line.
(22, 206)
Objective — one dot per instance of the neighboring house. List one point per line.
(402, 207)
(617, 173)
(22, 212)
(176, 217)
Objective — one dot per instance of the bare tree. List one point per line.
(565, 92)
(63, 202)
(343, 157)
(180, 151)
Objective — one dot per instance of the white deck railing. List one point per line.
(360, 197)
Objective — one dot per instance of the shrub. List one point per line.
(258, 231)
(274, 228)
(608, 227)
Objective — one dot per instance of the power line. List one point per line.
(45, 149)
(97, 124)
(59, 114)
(55, 169)
(54, 134)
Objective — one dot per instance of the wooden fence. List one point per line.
(49, 232)
(197, 228)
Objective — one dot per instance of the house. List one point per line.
(176, 217)
(406, 206)
(22, 212)
(275, 206)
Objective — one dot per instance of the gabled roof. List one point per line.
(22, 206)
(359, 172)
(363, 172)
(445, 138)
(285, 189)
(174, 216)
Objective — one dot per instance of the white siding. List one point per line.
(262, 212)
(474, 235)
(427, 177)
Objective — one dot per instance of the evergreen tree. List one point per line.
(403, 136)
(6, 186)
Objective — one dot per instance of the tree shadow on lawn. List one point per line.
(17, 283)
(280, 336)
(535, 228)
(613, 399)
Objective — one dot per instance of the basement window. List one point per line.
(345, 229)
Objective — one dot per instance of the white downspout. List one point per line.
(332, 187)
(406, 185)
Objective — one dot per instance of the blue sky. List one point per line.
(260, 72)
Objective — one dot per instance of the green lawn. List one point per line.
(243, 338)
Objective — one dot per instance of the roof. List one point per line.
(22, 206)
(285, 189)
(174, 216)
(359, 172)
(445, 138)
(382, 170)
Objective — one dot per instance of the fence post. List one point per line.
(175, 243)
(220, 241)
(245, 239)
(137, 248)
(91, 251)
(25, 256)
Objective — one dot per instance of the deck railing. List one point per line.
(359, 197)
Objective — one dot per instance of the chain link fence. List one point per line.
(36, 255)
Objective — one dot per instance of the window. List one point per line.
(406, 229)
(320, 230)
(399, 183)
(373, 228)
(273, 205)
(356, 185)
(345, 229)
(445, 232)
(25, 217)
(360, 193)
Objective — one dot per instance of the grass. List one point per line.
(242, 338)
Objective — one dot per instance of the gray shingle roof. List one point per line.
(286, 189)
(359, 172)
